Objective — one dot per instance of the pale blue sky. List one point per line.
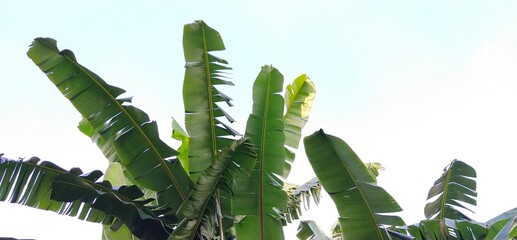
(410, 84)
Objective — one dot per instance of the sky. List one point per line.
(410, 84)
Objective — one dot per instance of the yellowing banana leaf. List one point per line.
(180, 134)
(299, 97)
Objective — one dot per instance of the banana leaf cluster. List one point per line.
(366, 211)
(219, 184)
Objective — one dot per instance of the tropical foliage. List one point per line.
(217, 184)
(220, 184)
(367, 211)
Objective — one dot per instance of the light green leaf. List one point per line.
(180, 134)
(299, 97)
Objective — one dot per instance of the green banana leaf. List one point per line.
(260, 196)
(237, 158)
(118, 128)
(456, 185)
(203, 71)
(47, 186)
(503, 226)
(364, 208)
(448, 229)
(506, 215)
(299, 97)
(310, 230)
(503, 230)
(204, 117)
(115, 175)
(299, 196)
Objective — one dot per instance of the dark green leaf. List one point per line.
(456, 185)
(363, 207)
(123, 133)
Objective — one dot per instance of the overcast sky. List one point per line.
(412, 85)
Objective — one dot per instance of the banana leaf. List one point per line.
(503, 226)
(364, 208)
(455, 187)
(180, 134)
(299, 97)
(237, 158)
(310, 230)
(47, 186)
(206, 121)
(123, 132)
(260, 196)
(448, 229)
(299, 196)
(203, 116)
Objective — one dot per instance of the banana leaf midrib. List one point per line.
(102, 187)
(444, 194)
(209, 94)
(379, 235)
(212, 122)
(262, 151)
(140, 131)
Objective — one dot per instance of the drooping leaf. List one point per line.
(260, 196)
(310, 230)
(115, 175)
(299, 97)
(123, 132)
(455, 187)
(203, 116)
(46, 186)
(299, 196)
(237, 158)
(364, 208)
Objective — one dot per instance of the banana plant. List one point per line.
(365, 209)
(152, 191)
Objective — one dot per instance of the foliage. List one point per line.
(365, 208)
(219, 184)
(163, 193)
